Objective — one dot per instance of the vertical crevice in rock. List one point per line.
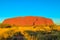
(35, 22)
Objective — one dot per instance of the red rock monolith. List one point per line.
(28, 21)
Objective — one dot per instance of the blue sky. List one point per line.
(44, 8)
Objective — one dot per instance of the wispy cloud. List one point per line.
(56, 21)
(2, 19)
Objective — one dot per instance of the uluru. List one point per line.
(28, 21)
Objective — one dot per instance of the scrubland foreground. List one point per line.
(29, 28)
(41, 32)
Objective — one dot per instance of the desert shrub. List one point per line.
(15, 36)
(41, 35)
(54, 35)
(5, 26)
(32, 34)
(18, 36)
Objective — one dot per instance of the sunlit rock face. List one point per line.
(28, 21)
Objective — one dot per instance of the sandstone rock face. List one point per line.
(28, 21)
